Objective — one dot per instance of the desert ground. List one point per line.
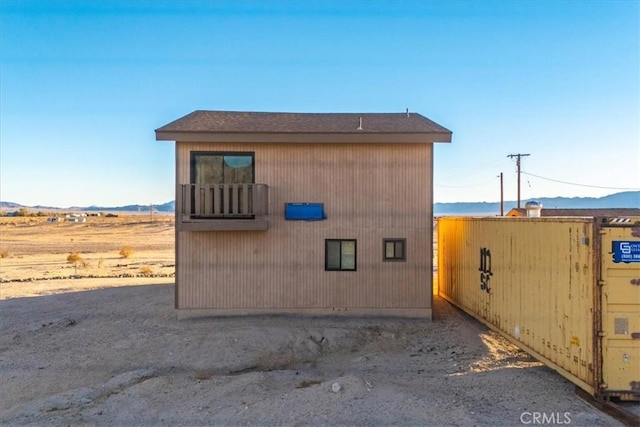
(34, 250)
(97, 342)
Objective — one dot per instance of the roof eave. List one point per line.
(306, 137)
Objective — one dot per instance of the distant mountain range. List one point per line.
(164, 207)
(627, 199)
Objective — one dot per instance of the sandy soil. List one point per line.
(111, 351)
(33, 250)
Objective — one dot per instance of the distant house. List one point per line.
(609, 213)
(300, 212)
(76, 218)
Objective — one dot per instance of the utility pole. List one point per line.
(518, 164)
(501, 195)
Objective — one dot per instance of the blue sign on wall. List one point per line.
(626, 251)
(304, 211)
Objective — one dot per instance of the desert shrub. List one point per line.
(146, 270)
(203, 375)
(308, 383)
(100, 261)
(285, 358)
(4, 254)
(74, 258)
(22, 212)
(126, 251)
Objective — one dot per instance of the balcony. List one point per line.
(222, 207)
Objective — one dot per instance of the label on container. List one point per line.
(626, 251)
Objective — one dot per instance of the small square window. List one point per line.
(394, 250)
(339, 255)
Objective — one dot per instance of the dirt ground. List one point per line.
(34, 250)
(106, 348)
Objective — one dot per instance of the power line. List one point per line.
(481, 168)
(475, 184)
(459, 186)
(581, 185)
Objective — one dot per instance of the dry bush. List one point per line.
(308, 383)
(126, 251)
(203, 375)
(274, 362)
(4, 254)
(146, 270)
(74, 258)
(285, 358)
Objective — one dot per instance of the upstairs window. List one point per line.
(340, 255)
(222, 168)
(215, 190)
(394, 250)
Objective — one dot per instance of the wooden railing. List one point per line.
(223, 201)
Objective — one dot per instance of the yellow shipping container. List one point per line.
(566, 290)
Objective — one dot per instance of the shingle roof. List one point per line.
(263, 122)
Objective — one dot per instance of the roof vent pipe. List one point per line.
(407, 112)
(360, 126)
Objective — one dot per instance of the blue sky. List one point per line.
(83, 85)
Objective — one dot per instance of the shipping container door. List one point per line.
(621, 310)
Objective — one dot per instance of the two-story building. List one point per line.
(304, 212)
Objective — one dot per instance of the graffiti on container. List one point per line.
(485, 269)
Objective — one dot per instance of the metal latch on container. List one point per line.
(602, 334)
(601, 282)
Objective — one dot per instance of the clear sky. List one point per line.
(84, 84)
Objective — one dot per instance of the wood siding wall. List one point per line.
(370, 192)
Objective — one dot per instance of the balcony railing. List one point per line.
(223, 206)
